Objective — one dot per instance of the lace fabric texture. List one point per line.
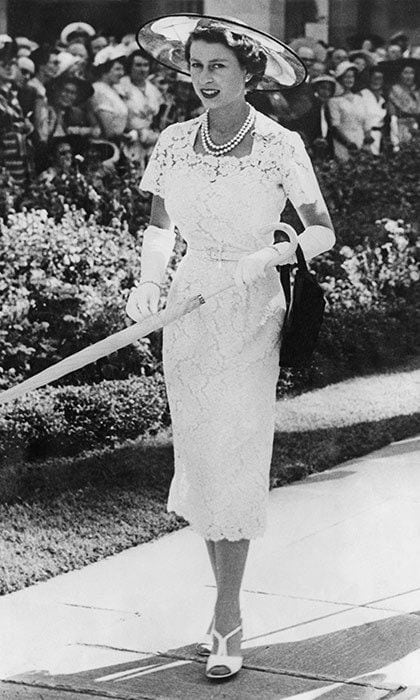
(221, 361)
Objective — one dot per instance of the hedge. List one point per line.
(68, 420)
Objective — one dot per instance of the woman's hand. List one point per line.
(143, 301)
(254, 266)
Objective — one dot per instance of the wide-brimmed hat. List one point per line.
(165, 39)
(107, 150)
(392, 69)
(328, 79)
(343, 67)
(25, 63)
(310, 43)
(84, 87)
(24, 41)
(78, 144)
(360, 53)
(76, 28)
(109, 54)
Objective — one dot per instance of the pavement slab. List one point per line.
(331, 603)
(184, 678)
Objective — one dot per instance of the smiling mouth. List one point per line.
(208, 94)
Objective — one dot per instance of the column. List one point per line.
(3, 17)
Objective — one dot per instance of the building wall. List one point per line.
(3, 17)
(343, 20)
(256, 14)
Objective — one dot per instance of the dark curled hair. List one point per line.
(103, 68)
(130, 59)
(249, 54)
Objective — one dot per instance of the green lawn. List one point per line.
(122, 503)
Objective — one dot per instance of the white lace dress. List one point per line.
(221, 361)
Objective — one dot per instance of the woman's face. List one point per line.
(7, 69)
(216, 74)
(376, 81)
(67, 95)
(360, 63)
(140, 69)
(115, 73)
(408, 76)
(348, 80)
(98, 43)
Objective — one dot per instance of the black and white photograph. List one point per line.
(209, 349)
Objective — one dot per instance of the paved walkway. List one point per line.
(331, 603)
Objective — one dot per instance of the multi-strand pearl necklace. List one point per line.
(219, 150)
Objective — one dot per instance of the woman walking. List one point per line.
(223, 178)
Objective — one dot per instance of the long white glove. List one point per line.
(156, 250)
(254, 266)
(315, 240)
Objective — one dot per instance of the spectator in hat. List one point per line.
(79, 50)
(334, 58)
(403, 41)
(77, 31)
(376, 108)
(99, 165)
(15, 148)
(143, 100)
(404, 102)
(316, 126)
(363, 61)
(348, 114)
(107, 104)
(67, 108)
(61, 163)
(47, 65)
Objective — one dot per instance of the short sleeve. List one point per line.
(156, 171)
(298, 178)
(100, 100)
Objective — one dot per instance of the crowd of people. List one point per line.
(105, 103)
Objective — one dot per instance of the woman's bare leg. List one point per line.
(211, 549)
(230, 565)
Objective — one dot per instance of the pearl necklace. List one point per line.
(215, 149)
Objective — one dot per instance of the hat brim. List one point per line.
(392, 69)
(84, 87)
(165, 38)
(108, 151)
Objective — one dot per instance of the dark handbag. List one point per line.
(304, 314)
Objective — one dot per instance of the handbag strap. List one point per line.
(285, 274)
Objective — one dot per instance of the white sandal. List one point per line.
(232, 663)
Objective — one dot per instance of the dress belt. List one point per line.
(219, 254)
